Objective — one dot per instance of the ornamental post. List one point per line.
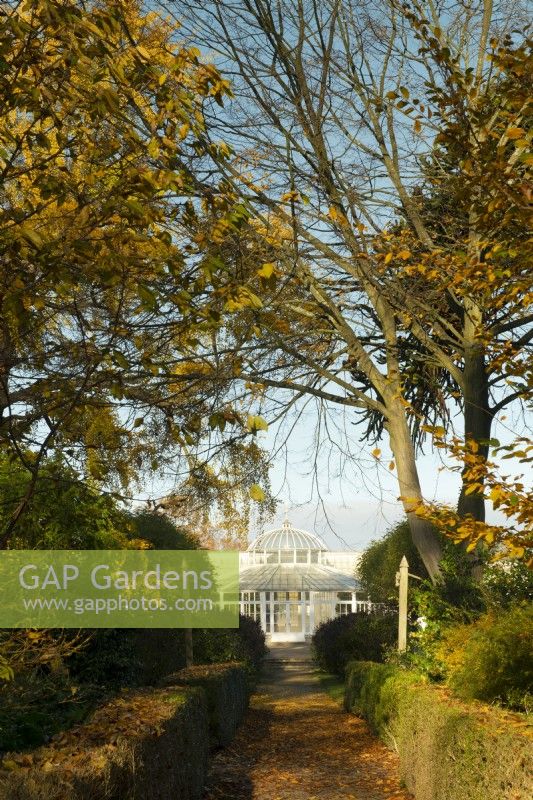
(402, 579)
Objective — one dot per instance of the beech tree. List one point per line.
(482, 262)
(333, 172)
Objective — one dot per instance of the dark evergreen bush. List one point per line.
(245, 644)
(380, 562)
(358, 636)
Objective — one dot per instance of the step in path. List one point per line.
(297, 743)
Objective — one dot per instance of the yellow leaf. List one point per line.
(392, 465)
(388, 258)
(439, 431)
(9, 764)
(404, 254)
(31, 235)
(256, 423)
(376, 453)
(417, 126)
(153, 148)
(267, 270)
(256, 493)
(290, 196)
(143, 52)
(514, 133)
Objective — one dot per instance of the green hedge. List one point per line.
(227, 692)
(245, 644)
(144, 745)
(358, 636)
(448, 749)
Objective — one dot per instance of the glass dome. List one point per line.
(286, 538)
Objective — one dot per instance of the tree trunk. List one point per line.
(423, 534)
(477, 424)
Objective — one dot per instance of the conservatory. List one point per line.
(290, 582)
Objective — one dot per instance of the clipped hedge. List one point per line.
(226, 687)
(448, 749)
(143, 745)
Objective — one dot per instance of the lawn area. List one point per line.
(332, 685)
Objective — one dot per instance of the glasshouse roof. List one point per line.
(286, 538)
(293, 578)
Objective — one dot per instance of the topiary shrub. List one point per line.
(109, 659)
(353, 636)
(245, 644)
(495, 663)
(46, 693)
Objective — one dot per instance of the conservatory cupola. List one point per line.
(286, 545)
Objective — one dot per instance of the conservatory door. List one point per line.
(288, 617)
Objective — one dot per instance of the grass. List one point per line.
(332, 685)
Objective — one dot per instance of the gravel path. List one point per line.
(296, 743)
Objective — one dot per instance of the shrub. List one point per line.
(505, 584)
(33, 708)
(245, 644)
(380, 562)
(60, 676)
(368, 689)
(116, 658)
(109, 659)
(441, 615)
(447, 749)
(495, 662)
(144, 745)
(353, 636)
(42, 697)
(227, 692)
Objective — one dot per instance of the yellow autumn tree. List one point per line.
(105, 279)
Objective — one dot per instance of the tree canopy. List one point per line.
(346, 125)
(63, 513)
(107, 281)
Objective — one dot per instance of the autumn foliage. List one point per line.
(106, 278)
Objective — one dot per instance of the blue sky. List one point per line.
(349, 502)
